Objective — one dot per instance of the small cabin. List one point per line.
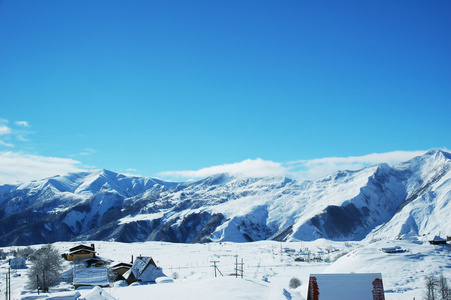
(143, 269)
(120, 269)
(437, 240)
(17, 263)
(363, 286)
(80, 253)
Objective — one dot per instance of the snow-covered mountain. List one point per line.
(406, 200)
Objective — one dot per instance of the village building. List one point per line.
(363, 286)
(394, 249)
(80, 252)
(95, 262)
(437, 240)
(90, 277)
(143, 269)
(120, 269)
(17, 263)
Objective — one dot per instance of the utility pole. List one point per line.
(6, 288)
(239, 267)
(216, 267)
(44, 288)
(242, 268)
(236, 266)
(8, 285)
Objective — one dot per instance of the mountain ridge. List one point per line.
(379, 201)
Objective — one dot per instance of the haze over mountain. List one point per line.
(407, 200)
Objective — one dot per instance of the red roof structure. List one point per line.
(363, 286)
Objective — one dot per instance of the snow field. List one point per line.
(268, 268)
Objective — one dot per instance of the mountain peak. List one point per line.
(438, 153)
(216, 179)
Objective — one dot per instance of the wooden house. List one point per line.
(363, 286)
(143, 269)
(80, 252)
(120, 269)
(437, 240)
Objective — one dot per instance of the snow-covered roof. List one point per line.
(394, 249)
(121, 265)
(98, 293)
(82, 247)
(144, 269)
(438, 238)
(91, 276)
(73, 295)
(83, 251)
(363, 286)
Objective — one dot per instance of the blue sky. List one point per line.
(148, 87)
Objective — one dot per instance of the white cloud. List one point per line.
(4, 130)
(315, 168)
(88, 151)
(6, 144)
(16, 134)
(22, 123)
(300, 170)
(249, 167)
(19, 167)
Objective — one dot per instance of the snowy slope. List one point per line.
(426, 207)
(382, 201)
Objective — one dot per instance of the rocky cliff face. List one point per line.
(409, 199)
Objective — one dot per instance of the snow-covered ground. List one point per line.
(268, 268)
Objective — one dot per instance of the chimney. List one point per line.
(132, 260)
(93, 248)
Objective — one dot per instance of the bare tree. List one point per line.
(45, 269)
(431, 286)
(437, 288)
(444, 291)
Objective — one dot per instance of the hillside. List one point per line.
(406, 200)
